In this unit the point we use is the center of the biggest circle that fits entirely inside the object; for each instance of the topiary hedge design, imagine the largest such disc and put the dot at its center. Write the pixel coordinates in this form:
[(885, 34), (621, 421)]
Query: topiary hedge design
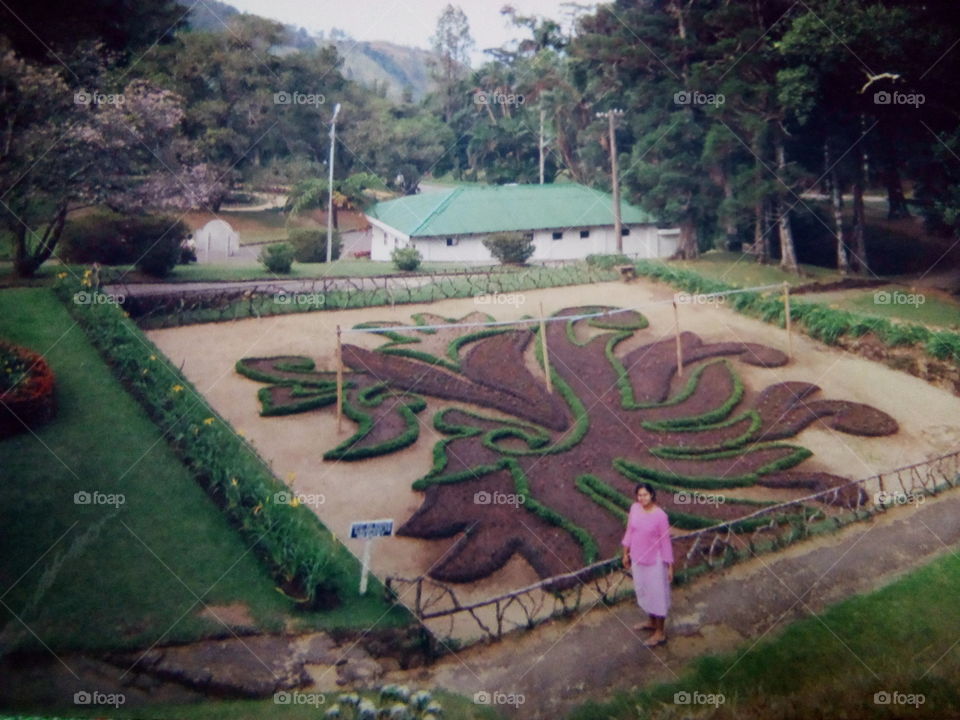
[(549, 476)]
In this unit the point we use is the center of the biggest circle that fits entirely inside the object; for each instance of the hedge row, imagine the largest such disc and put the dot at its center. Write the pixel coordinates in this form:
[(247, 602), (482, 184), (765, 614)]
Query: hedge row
[(304, 557), (820, 322)]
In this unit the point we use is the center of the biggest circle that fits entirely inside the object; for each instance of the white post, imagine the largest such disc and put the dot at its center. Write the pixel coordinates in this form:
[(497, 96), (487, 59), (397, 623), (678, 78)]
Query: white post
[(366, 565), (333, 140)]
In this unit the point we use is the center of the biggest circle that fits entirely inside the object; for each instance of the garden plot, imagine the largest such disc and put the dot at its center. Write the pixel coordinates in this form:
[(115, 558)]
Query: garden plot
[(496, 482)]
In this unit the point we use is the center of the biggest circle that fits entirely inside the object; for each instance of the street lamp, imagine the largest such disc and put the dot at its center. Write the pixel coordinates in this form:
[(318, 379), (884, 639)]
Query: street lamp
[(612, 116), (333, 140)]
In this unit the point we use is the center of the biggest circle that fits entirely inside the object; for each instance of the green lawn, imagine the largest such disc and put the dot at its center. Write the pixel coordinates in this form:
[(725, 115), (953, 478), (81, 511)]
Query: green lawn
[(742, 270), (902, 303), (340, 268), (900, 639), (97, 576)]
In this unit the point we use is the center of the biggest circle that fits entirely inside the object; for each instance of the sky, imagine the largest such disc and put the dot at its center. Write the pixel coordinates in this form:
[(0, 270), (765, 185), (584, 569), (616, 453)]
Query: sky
[(405, 22)]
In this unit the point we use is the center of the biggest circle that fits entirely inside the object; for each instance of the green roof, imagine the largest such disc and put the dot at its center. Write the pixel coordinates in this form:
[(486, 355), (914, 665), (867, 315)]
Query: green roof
[(499, 208)]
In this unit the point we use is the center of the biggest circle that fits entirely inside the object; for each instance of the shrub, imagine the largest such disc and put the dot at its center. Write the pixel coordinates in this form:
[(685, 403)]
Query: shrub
[(153, 242), (97, 237), (278, 257), (607, 262), (310, 245), (510, 247), (406, 258), (157, 241)]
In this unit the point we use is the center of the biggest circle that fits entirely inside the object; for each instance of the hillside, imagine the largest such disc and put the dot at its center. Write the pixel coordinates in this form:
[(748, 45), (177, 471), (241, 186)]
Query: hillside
[(376, 63)]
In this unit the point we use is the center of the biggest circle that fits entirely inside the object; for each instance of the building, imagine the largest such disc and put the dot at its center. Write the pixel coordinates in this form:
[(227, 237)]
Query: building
[(566, 221)]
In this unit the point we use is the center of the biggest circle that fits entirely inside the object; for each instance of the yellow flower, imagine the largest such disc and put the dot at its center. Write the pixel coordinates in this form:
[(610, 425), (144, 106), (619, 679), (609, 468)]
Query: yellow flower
[(208, 421), (177, 388), (144, 371), (61, 276), (153, 357), (295, 502), (291, 476), (233, 481), (258, 508), (240, 433)]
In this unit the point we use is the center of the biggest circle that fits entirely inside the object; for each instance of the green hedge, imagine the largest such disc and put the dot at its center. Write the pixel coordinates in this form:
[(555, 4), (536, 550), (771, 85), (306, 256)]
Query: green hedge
[(299, 551), (820, 322)]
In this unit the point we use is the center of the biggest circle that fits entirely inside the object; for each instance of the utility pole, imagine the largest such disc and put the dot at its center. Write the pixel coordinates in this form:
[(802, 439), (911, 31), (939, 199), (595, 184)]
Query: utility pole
[(612, 116), (333, 141), (542, 113)]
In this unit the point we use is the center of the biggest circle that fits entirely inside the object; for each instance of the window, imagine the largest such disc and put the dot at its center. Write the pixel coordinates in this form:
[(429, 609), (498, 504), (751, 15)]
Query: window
[(452, 241), (624, 231), (558, 235), (584, 233)]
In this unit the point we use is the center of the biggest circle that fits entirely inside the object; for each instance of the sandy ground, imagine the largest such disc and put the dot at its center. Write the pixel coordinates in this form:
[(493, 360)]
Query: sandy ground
[(343, 492)]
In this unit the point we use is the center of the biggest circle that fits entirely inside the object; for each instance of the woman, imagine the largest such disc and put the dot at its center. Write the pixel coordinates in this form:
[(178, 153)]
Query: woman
[(648, 552)]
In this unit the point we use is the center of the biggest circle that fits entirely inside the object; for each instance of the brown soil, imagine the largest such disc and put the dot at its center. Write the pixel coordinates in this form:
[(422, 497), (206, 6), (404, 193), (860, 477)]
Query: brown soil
[(929, 419)]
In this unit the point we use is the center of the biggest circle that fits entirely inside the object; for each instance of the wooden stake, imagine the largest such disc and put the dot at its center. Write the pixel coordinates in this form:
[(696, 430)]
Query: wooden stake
[(676, 322), (546, 353), (786, 307), (339, 382)]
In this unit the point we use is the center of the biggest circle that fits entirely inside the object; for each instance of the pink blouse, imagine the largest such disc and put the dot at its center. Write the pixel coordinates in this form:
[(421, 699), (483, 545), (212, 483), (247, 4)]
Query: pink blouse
[(648, 536)]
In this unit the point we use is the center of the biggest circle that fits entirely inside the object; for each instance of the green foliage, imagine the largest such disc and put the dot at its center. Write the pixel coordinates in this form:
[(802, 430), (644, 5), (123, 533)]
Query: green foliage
[(278, 257), (157, 242), (152, 243), (607, 262), (310, 245), (407, 259), (510, 247)]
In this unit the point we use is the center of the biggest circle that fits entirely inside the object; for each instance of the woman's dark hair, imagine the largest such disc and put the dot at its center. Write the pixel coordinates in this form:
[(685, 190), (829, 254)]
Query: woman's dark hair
[(648, 487)]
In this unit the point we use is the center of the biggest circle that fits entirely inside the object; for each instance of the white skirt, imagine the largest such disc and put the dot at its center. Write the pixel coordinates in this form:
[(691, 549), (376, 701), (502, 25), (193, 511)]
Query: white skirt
[(652, 585)]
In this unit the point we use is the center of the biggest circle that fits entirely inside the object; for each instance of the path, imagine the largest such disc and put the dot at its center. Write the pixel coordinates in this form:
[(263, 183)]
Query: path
[(592, 655)]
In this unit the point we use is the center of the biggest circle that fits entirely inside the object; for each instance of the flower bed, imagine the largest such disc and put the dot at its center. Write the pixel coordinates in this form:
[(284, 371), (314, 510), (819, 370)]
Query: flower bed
[(27, 396)]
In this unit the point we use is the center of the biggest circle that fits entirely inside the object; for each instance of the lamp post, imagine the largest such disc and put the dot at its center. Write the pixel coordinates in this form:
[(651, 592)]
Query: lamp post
[(333, 140), (612, 116)]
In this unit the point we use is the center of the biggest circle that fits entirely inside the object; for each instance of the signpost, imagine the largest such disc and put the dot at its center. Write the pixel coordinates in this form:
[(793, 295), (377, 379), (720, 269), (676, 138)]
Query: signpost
[(368, 530)]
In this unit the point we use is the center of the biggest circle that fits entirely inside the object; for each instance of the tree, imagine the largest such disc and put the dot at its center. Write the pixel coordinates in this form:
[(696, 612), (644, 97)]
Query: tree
[(451, 43)]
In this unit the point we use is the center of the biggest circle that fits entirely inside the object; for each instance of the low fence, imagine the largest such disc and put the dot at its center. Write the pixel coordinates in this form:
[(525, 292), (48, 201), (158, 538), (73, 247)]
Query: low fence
[(174, 307), (440, 606)]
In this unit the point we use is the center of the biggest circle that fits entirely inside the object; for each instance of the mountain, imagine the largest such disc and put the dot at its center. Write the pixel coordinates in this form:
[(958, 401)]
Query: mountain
[(380, 65)]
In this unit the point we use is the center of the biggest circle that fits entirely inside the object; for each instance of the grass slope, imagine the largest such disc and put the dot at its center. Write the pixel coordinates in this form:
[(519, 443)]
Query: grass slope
[(98, 577)]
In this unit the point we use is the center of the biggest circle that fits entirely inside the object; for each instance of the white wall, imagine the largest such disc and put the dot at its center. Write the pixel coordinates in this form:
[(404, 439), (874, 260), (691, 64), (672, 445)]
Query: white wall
[(644, 241)]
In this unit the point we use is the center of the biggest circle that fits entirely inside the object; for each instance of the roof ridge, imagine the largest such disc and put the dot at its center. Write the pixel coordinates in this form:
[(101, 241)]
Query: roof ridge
[(441, 206)]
